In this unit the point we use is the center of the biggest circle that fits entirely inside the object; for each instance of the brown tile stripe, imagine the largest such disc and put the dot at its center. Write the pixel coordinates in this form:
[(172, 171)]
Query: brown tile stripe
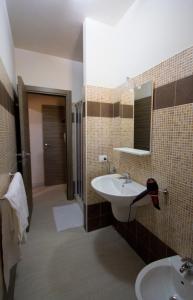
[(175, 93), (172, 94), (184, 91), (93, 109), (116, 109), (5, 99), (98, 215), (146, 244), (164, 96), (123, 110), (126, 111), (109, 110)]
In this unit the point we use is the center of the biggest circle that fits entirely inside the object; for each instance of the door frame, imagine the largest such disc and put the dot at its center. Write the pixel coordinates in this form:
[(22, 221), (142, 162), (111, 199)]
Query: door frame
[(67, 94)]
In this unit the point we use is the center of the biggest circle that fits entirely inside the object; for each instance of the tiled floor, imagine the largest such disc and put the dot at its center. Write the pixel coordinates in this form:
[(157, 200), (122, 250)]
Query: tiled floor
[(73, 264)]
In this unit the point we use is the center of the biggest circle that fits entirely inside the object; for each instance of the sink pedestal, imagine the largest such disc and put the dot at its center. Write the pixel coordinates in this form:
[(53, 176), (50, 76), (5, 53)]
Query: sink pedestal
[(124, 213)]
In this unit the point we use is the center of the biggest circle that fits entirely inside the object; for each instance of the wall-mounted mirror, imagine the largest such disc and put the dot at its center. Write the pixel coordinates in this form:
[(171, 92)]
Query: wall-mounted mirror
[(133, 118), (142, 116)]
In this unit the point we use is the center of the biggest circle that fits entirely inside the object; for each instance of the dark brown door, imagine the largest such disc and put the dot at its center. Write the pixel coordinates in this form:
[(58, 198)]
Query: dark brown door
[(24, 156), (54, 141)]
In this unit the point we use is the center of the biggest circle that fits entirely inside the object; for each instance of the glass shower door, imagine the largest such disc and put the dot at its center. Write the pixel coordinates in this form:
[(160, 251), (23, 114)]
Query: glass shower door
[(79, 150)]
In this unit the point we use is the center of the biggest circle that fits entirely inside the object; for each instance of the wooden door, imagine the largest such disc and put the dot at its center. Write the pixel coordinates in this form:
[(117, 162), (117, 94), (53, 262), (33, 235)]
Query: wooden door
[(54, 142), (24, 156)]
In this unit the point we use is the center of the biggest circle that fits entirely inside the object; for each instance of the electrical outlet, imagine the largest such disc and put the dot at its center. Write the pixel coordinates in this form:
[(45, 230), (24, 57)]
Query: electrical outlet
[(102, 158)]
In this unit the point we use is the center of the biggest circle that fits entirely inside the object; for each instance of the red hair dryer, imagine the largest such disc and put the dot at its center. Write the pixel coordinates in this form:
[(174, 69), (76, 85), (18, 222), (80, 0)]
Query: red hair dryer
[(152, 190)]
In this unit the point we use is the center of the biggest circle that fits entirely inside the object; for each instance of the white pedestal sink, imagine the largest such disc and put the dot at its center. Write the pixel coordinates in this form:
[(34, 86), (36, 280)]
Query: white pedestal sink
[(162, 280), (120, 194)]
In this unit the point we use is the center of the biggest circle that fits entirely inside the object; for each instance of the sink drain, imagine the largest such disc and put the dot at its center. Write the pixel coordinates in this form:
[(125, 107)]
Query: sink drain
[(173, 298)]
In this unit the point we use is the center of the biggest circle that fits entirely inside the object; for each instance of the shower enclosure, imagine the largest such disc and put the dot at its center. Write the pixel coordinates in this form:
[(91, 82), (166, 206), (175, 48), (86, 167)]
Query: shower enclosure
[(79, 150)]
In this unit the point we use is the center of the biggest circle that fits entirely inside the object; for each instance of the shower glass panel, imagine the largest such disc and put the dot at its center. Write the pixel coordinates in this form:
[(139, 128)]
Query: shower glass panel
[(79, 149)]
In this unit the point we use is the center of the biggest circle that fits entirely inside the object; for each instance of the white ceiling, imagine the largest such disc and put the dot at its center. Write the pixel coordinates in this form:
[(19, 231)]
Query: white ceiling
[(55, 26)]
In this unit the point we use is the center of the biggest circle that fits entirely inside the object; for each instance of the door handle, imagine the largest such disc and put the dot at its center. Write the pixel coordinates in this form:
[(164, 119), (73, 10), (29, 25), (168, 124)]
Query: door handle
[(46, 145)]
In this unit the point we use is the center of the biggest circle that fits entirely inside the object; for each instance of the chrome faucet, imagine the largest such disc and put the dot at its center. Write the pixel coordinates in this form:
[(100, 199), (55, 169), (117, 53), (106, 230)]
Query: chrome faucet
[(187, 265), (127, 177)]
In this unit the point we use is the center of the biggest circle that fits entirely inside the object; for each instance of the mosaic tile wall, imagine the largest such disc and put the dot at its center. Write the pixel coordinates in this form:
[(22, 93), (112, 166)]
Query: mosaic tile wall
[(7, 131), (171, 162), (7, 140)]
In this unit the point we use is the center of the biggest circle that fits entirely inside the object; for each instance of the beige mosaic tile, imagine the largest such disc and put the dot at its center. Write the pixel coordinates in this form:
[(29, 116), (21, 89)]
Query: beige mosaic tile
[(98, 142), (7, 145), (98, 94), (171, 162), (174, 68), (7, 148), (5, 79)]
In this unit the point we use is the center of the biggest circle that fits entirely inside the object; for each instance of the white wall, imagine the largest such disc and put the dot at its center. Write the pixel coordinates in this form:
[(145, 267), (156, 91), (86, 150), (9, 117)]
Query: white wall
[(98, 54), (6, 44), (50, 71), (150, 32)]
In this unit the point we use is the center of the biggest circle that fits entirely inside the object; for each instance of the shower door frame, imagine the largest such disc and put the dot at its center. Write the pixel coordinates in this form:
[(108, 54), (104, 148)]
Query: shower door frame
[(79, 149)]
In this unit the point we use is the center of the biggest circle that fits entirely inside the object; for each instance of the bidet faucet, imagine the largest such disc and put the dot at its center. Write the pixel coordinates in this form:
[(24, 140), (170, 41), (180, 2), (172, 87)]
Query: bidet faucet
[(127, 177), (187, 265)]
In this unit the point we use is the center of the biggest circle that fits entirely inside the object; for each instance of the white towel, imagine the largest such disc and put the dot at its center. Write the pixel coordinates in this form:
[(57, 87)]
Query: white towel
[(17, 198)]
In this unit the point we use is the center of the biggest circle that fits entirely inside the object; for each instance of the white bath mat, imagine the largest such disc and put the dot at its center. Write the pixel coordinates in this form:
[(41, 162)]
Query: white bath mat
[(68, 216)]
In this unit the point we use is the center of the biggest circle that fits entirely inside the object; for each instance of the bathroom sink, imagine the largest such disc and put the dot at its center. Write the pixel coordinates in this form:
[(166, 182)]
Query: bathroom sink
[(162, 280), (120, 194)]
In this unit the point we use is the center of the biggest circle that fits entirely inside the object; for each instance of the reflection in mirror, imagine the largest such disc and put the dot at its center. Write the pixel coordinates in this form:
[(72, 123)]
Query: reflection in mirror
[(142, 116)]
